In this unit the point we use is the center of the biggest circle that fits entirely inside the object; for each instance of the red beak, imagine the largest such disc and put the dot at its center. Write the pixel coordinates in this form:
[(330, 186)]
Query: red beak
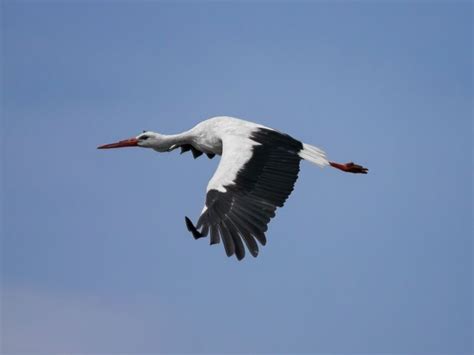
[(132, 142)]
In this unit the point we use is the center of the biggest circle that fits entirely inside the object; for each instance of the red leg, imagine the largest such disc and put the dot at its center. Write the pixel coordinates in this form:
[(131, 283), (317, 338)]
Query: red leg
[(349, 168)]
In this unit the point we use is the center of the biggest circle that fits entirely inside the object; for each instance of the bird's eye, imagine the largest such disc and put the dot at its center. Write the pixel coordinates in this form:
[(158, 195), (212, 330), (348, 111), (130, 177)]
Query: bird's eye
[(142, 138)]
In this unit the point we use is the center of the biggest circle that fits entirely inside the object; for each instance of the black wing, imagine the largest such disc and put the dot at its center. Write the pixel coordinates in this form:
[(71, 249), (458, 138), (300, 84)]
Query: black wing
[(196, 153), (240, 215)]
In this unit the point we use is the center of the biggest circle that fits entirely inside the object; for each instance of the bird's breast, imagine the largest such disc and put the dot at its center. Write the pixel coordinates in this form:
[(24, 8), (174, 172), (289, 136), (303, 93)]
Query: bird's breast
[(209, 144)]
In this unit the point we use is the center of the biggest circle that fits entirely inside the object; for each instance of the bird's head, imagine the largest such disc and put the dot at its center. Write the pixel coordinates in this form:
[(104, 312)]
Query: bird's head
[(147, 139)]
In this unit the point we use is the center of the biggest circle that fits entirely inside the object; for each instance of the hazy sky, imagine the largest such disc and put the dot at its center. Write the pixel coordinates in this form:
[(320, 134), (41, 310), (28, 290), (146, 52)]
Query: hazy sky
[(95, 253)]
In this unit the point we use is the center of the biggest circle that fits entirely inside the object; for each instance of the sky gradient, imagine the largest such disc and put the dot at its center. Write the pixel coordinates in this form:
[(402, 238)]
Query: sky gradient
[(95, 256)]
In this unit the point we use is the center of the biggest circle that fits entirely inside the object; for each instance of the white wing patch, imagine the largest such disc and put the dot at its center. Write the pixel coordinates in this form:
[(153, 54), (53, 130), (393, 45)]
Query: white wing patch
[(236, 151)]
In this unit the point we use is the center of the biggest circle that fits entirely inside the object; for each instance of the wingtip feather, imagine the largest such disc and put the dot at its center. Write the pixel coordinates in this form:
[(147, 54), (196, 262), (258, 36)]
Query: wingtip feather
[(189, 224)]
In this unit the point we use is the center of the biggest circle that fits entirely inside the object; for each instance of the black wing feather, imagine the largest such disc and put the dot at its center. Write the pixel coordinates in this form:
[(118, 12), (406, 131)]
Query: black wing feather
[(226, 239), (263, 184), (196, 152), (185, 148), (214, 238), (238, 245)]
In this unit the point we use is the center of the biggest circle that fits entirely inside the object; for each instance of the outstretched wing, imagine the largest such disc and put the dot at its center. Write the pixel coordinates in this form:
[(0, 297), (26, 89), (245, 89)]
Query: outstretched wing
[(256, 175)]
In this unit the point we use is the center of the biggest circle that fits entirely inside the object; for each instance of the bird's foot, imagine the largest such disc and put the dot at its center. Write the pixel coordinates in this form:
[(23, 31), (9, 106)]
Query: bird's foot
[(349, 167)]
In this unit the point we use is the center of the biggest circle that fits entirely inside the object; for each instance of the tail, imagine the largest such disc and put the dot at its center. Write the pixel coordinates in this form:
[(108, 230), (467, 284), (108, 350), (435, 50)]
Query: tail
[(313, 155), (317, 156)]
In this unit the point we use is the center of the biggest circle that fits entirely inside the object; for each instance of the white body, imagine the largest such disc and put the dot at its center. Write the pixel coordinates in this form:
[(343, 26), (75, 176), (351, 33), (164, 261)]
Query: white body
[(230, 137)]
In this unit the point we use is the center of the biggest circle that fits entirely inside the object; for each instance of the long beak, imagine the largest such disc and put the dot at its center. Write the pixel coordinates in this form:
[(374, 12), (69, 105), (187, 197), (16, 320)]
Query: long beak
[(132, 142)]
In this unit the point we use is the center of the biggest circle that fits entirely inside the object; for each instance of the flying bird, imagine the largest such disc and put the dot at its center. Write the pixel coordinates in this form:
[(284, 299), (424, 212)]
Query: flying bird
[(256, 174)]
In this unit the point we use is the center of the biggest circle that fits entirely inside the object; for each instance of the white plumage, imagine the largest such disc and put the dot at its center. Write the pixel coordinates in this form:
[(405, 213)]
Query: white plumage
[(314, 155), (256, 174)]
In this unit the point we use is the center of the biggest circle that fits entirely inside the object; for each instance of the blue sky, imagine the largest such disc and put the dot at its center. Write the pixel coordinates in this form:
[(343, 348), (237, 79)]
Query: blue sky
[(95, 254)]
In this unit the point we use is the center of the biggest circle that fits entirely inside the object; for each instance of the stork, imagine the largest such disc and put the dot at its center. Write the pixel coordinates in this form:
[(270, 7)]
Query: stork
[(255, 176)]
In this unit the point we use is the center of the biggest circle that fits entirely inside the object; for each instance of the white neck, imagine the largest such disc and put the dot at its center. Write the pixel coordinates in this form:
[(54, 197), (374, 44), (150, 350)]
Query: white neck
[(164, 143)]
